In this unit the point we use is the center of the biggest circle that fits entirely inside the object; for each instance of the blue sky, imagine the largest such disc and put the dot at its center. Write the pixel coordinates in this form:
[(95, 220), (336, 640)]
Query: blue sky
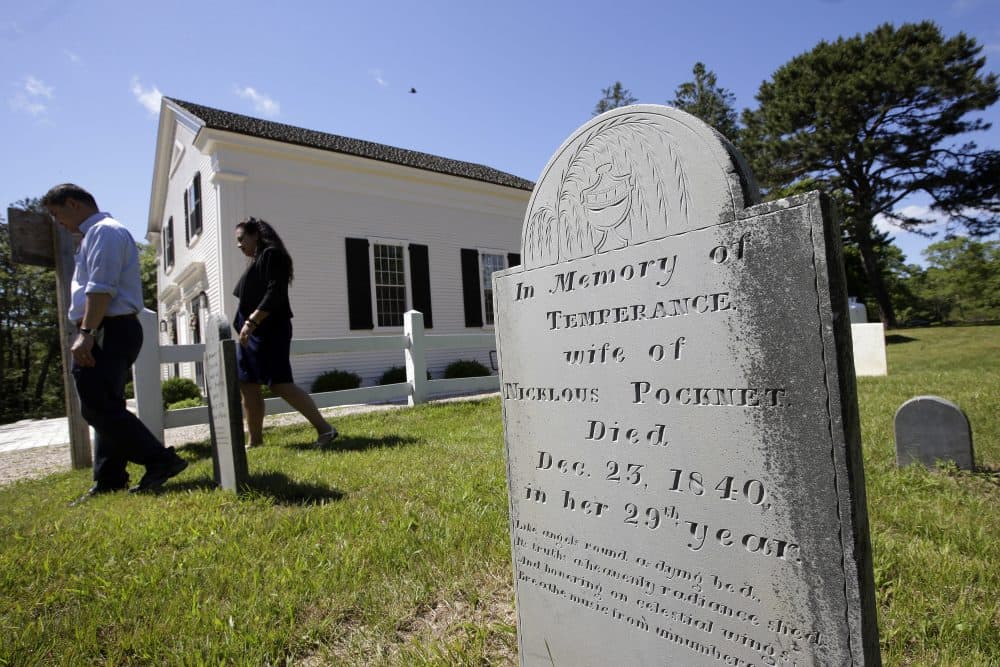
[(499, 83)]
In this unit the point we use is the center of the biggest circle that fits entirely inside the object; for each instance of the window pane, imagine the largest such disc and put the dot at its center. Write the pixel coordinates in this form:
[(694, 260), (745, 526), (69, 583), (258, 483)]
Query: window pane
[(489, 264), (390, 284)]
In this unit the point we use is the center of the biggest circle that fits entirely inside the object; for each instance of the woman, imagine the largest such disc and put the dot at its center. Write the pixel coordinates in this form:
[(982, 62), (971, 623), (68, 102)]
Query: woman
[(264, 322)]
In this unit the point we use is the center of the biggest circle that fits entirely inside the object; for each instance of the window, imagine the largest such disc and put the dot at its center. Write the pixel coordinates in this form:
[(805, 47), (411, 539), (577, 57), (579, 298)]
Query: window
[(390, 284), (174, 341), (383, 278), (195, 324), (192, 209), (168, 245), (488, 264), (478, 267)]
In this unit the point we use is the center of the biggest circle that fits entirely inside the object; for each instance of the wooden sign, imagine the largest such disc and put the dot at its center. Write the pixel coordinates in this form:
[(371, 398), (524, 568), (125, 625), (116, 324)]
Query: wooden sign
[(31, 239)]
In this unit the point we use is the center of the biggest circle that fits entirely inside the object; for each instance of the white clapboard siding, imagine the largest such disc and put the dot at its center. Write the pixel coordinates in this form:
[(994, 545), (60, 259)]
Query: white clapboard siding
[(316, 200)]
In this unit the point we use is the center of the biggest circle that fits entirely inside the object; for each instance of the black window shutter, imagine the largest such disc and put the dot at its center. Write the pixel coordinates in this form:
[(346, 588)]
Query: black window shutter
[(513, 259), (471, 290), (187, 218), (196, 214), (420, 277), (359, 285)]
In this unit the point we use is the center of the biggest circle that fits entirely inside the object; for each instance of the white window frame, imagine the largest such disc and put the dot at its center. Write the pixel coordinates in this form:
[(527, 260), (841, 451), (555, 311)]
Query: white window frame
[(482, 288), (405, 246)]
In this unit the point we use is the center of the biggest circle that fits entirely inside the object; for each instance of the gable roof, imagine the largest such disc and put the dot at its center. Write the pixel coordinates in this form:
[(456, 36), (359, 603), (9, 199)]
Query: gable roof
[(255, 127)]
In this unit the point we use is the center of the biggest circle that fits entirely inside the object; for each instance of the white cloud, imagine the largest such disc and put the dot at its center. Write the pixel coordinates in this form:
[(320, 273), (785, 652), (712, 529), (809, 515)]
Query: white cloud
[(262, 103), (939, 219), (147, 97), (37, 88), (21, 102), (73, 58), (377, 75), (31, 96), (962, 6)]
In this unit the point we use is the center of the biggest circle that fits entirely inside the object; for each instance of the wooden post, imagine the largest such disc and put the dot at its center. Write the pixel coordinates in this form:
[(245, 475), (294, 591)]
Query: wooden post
[(146, 376), (416, 359), (38, 240), (79, 432)]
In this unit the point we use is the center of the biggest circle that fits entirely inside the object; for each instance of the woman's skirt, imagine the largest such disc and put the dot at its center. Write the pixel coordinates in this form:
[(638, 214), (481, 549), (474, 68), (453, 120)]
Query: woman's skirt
[(266, 357)]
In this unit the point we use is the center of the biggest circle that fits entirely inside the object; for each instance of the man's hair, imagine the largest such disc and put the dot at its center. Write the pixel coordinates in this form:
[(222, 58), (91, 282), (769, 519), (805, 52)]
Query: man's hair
[(60, 193)]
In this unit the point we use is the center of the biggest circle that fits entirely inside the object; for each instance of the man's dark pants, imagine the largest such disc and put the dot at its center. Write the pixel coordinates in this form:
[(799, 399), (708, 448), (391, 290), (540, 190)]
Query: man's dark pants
[(121, 437)]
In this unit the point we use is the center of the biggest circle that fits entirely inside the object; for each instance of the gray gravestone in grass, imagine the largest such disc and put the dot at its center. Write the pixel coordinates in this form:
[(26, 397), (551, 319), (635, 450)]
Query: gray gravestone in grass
[(930, 429), (225, 412), (680, 416)]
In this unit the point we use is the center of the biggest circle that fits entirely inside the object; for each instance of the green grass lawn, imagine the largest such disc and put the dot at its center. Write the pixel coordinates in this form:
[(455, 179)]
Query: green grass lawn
[(394, 548)]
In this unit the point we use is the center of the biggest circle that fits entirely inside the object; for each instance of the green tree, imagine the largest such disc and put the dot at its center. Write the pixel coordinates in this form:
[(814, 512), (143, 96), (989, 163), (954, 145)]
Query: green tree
[(963, 278), (614, 96), (878, 118), (30, 361), (147, 273), (705, 99)]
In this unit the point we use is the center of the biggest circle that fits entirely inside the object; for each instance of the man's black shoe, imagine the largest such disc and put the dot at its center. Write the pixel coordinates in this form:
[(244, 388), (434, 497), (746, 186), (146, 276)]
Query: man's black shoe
[(157, 474), (99, 488)]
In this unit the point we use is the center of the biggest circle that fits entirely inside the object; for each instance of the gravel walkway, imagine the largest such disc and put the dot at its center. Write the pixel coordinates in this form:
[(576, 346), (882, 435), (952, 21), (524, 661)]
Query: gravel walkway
[(41, 461)]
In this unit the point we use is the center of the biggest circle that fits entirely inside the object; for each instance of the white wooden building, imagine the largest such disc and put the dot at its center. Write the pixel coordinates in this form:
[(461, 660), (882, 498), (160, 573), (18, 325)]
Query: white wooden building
[(373, 231)]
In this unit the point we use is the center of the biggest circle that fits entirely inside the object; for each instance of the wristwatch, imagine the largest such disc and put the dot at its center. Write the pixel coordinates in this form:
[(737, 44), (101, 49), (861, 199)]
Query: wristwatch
[(86, 331)]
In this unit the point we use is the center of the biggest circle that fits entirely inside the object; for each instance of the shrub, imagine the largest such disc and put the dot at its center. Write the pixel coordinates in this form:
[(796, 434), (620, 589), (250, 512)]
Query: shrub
[(186, 403), (465, 368), (129, 390), (179, 389), (335, 381), (396, 374)]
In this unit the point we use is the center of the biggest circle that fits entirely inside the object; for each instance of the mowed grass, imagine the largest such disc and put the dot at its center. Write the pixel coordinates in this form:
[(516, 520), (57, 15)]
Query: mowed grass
[(936, 535), (393, 548)]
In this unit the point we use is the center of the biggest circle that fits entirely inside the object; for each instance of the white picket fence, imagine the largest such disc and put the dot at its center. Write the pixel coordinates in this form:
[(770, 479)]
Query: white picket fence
[(413, 343)]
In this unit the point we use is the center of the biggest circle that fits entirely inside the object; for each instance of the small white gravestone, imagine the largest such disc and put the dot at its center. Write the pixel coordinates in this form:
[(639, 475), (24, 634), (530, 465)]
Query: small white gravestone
[(859, 314), (868, 344), (225, 413), (931, 429), (680, 417)]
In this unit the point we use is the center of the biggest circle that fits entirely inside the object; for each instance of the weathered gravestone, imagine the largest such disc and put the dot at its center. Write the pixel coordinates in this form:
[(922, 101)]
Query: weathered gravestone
[(225, 414), (929, 429), (682, 437)]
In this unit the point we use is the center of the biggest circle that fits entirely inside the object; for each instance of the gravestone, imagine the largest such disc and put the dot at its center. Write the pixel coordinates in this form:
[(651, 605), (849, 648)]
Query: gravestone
[(680, 417), (225, 415), (929, 429), (859, 314)]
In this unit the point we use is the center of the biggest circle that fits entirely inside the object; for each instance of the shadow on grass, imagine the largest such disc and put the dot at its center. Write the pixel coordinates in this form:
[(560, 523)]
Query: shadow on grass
[(358, 444), (287, 491), (895, 339), (275, 485), (196, 451)]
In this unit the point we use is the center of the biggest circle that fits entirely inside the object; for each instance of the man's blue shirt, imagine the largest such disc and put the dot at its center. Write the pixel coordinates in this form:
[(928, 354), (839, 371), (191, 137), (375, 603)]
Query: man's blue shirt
[(107, 262)]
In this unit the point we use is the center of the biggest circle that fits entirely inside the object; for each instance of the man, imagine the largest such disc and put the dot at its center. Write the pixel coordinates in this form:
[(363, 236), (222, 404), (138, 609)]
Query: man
[(106, 296)]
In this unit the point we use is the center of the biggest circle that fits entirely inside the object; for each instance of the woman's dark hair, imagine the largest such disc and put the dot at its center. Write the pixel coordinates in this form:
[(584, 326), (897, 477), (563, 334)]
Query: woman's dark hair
[(267, 238)]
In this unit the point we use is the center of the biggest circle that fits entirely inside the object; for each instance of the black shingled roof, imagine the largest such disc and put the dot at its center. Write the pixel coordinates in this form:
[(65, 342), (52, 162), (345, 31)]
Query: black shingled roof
[(289, 134)]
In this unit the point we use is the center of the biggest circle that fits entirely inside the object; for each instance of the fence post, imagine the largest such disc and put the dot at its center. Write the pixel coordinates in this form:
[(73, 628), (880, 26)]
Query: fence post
[(146, 375), (416, 361)]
